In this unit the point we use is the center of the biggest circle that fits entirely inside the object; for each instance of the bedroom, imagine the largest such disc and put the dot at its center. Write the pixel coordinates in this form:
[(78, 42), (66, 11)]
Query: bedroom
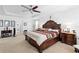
[(21, 18)]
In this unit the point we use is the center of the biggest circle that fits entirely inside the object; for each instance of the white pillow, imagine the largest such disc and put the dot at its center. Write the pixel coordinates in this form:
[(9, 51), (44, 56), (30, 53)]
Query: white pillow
[(55, 30), (50, 29)]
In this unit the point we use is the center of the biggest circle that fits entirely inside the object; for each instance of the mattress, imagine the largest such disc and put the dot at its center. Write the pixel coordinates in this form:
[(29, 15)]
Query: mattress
[(39, 37)]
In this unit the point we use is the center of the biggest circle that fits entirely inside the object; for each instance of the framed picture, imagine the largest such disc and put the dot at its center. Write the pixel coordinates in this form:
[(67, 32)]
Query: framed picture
[(1, 23), (6, 23), (12, 23)]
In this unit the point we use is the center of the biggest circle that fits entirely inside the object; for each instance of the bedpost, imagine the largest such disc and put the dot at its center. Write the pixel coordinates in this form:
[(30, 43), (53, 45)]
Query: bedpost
[(40, 50)]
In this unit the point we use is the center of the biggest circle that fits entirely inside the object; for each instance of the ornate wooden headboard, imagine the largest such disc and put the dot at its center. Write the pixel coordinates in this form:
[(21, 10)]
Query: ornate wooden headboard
[(51, 24)]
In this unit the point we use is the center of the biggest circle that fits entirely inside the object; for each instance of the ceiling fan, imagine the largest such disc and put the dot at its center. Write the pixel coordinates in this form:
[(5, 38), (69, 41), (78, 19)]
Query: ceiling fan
[(31, 8)]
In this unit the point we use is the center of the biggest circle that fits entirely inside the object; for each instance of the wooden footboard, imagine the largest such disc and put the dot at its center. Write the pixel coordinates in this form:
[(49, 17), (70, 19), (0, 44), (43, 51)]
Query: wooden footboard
[(44, 45)]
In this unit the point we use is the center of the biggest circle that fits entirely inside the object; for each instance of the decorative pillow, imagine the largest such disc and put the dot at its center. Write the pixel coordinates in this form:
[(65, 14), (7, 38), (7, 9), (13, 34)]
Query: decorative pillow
[(54, 30), (49, 36), (54, 34)]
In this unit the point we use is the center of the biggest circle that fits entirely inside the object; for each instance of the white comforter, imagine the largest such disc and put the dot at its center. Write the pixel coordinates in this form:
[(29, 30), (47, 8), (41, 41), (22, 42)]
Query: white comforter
[(39, 38)]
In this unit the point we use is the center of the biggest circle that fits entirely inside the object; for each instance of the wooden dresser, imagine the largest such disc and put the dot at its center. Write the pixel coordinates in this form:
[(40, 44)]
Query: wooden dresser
[(68, 38), (6, 33)]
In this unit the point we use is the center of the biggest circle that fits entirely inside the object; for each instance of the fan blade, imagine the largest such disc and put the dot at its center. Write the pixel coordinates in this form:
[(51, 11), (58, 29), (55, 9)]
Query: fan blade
[(36, 11), (25, 7), (35, 7), (31, 11)]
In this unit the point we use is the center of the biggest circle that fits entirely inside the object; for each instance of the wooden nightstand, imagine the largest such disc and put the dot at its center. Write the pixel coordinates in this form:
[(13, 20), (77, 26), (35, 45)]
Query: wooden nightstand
[(68, 38)]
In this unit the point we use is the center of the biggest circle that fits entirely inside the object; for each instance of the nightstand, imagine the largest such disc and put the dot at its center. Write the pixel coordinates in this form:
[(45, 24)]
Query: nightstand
[(68, 38)]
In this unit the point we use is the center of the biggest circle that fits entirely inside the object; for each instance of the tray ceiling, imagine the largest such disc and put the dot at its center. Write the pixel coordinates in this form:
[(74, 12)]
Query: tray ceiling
[(45, 9)]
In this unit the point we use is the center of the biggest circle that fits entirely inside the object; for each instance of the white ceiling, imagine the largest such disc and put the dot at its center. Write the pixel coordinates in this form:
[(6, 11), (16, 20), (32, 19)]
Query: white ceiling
[(45, 9)]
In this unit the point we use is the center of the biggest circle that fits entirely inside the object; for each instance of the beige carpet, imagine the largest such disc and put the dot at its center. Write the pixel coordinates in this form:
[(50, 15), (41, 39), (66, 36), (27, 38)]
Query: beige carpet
[(19, 45)]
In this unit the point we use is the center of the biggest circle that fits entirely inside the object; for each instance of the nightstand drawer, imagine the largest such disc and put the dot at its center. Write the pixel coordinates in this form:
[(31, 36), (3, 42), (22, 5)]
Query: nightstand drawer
[(70, 42)]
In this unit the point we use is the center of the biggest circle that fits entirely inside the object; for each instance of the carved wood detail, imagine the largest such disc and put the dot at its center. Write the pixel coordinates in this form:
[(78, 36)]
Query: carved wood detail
[(51, 24)]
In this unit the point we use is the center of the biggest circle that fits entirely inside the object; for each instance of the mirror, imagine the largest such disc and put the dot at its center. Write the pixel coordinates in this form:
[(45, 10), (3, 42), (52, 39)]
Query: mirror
[(6, 23)]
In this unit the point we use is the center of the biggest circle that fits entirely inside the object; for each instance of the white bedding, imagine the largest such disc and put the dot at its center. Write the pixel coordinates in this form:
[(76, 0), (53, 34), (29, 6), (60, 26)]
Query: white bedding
[(39, 38)]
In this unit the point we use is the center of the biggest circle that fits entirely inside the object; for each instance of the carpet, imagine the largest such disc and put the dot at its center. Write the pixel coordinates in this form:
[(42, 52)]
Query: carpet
[(18, 44)]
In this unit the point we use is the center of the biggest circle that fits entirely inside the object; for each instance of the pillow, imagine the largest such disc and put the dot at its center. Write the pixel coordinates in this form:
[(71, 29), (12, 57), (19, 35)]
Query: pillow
[(54, 34), (54, 30), (50, 29), (49, 36)]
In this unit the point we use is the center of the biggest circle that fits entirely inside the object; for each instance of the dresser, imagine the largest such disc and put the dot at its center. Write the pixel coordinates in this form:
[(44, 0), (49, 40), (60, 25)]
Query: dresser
[(68, 38), (6, 33)]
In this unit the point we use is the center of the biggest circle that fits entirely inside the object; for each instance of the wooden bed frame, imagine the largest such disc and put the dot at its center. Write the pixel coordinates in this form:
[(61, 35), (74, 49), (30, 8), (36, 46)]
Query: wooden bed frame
[(48, 42)]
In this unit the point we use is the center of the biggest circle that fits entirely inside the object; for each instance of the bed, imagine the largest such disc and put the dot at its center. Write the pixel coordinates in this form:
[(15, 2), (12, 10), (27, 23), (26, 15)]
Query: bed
[(46, 42)]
